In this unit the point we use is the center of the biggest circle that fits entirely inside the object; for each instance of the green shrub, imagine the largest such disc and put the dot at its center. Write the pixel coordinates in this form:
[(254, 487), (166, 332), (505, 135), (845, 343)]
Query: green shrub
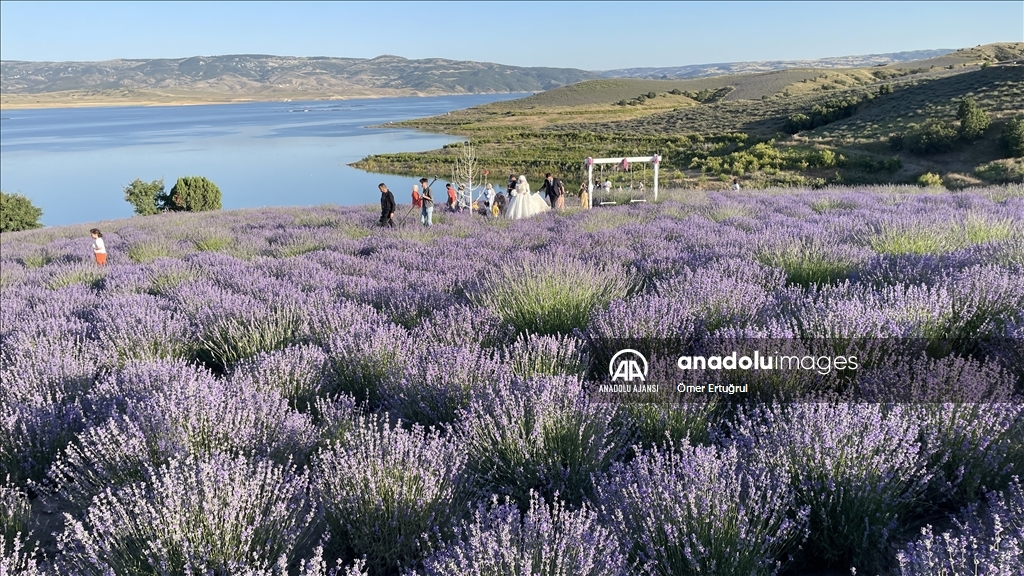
[(194, 194), (242, 336), (885, 89), (973, 120), (145, 252), (550, 295), (896, 142), (17, 213), (1012, 137), (1002, 171), (797, 122), (806, 264), (932, 137), (145, 198), (929, 179), (213, 243)]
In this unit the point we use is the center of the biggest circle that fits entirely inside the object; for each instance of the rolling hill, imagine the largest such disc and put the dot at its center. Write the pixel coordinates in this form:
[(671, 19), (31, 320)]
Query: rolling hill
[(705, 70), (250, 77), (742, 125)]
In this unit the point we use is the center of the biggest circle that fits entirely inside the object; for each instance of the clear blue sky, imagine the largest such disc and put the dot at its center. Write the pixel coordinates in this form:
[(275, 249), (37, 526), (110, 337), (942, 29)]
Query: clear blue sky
[(589, 35)]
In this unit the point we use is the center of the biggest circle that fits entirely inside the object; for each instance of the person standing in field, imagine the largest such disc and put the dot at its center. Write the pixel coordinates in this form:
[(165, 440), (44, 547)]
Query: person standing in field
[(417, 201), (500, 202), (607, 186), (427, 214), (584, 196), (735, 183), (552, 188), (451, 196), (489, 196), (99, 249), (387, 206)]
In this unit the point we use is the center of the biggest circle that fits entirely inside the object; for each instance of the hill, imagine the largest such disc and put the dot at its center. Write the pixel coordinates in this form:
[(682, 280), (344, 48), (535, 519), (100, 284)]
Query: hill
[(261, 77), (724, 68), (248, 77), (742, 125)]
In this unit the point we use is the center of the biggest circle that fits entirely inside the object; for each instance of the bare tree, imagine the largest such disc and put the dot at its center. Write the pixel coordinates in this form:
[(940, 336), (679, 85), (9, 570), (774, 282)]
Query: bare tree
[(465, 170)]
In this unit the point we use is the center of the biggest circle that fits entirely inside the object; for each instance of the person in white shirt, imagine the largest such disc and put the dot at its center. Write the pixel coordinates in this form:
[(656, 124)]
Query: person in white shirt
[(99, 249), (607, 186)]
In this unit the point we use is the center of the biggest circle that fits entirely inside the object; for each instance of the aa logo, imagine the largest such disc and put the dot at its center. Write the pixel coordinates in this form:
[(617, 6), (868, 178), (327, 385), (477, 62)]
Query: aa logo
[(628, 365)]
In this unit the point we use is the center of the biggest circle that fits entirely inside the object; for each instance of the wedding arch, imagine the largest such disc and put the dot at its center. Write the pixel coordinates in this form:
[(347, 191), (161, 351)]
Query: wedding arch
[(624, 162)]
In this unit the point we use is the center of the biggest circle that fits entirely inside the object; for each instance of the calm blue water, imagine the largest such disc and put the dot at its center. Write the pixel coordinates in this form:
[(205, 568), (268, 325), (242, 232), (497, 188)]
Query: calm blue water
[(74, 163)]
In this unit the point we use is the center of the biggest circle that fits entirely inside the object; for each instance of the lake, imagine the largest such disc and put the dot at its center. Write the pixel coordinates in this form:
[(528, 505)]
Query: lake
[(75, 162)]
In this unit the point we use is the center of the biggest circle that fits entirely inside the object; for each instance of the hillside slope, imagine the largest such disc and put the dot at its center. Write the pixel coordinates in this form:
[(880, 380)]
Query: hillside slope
[(710, 130), (263, 77)]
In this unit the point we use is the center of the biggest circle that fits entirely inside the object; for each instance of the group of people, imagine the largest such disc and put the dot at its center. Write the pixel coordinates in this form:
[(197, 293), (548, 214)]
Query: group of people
[(515, 202)]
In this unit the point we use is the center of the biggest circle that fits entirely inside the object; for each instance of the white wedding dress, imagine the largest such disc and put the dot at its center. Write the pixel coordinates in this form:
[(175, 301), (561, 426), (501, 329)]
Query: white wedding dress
[(524, 204)]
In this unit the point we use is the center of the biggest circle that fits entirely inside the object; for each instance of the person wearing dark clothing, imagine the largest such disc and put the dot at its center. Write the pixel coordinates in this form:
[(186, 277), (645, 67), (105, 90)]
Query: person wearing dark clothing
[(387, 206), (511, 184), (501, 201), (552, 187)]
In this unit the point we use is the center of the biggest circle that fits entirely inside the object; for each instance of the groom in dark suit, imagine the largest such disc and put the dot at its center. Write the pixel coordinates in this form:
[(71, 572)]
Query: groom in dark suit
[(553, 189)]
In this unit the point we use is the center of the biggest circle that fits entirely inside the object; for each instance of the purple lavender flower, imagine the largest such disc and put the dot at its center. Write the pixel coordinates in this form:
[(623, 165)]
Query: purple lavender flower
[(540, 434), (194, 515), (547, 540), (390, 494), (859, 467), (696, 510), (985, 541)]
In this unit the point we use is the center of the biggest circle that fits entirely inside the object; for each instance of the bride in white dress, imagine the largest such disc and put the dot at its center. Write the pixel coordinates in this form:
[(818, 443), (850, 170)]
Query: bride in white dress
[(524, 204)]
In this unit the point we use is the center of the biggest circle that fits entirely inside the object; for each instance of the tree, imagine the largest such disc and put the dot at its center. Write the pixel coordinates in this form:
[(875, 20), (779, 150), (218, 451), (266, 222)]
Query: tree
[(797, 122), (931, 137), (17, 213), (193, 194), (1012, 137), (146, 198), (973, 120), (465, 170)]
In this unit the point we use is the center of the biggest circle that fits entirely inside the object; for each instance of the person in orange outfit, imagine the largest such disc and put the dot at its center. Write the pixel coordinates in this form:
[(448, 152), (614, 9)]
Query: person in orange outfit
[(99, 249)]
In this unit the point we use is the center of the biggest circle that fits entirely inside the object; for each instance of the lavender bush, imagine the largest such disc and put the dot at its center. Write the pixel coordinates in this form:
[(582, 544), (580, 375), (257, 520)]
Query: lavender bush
[(547, 295), (16, 558), (297, 373), (985, 541), (196, 515), (15, 513), (973, 447), (532, 355), (390, 494), (695, 510), (539, 435), (545, 541), (860, 468), (438, 383)]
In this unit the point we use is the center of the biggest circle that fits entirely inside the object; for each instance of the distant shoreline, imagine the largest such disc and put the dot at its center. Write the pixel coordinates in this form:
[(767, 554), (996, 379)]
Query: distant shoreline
[(66, 101)]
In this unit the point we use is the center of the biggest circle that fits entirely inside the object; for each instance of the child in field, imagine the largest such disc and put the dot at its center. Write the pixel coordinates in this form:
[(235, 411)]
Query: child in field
[(584, 196), (99, 249)]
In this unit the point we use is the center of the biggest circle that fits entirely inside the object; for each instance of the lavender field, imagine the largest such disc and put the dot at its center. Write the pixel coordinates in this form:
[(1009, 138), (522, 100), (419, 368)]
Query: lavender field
[(295, 391)]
